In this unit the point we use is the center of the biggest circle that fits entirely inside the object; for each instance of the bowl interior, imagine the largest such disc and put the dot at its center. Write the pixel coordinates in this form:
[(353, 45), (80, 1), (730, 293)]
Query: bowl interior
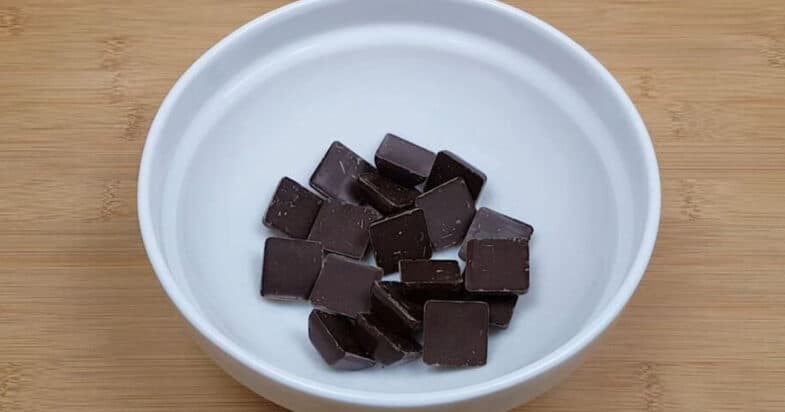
[(541, 119)]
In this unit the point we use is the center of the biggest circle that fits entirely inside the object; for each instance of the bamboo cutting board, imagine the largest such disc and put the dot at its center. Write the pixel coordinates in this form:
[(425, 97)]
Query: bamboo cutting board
[(84, 325)]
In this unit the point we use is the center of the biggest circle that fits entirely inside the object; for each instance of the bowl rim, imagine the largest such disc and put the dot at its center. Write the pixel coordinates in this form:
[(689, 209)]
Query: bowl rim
[(574, 346)]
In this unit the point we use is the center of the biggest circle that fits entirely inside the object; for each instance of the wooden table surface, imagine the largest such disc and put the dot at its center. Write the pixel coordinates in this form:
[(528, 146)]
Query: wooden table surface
[(84, 325)]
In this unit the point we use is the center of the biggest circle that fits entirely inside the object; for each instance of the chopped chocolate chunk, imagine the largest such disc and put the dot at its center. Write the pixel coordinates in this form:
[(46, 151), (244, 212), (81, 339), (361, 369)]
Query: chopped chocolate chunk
[(293, 209), (337, 173), (455, 333), (343, 228), (344, 286), (490, 224), (335, 338), (290, 268), (387, 345), (403, 161), (431, 279), (449, 209), (497, 266), (448, 166), (385, 195), (420, 294), (403, 236), (390, 303), (501, 307), (426, 271)]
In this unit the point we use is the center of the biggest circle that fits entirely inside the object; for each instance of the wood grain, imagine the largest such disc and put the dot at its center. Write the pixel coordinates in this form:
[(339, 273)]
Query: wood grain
[(84, 325)]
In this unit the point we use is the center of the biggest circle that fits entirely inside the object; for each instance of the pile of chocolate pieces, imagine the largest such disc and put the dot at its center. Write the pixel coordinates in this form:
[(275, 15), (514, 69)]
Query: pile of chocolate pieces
[(361, 319)]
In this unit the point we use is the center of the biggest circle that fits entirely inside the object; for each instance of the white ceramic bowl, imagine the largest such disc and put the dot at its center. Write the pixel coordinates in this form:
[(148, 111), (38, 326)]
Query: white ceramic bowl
[(560, 141)]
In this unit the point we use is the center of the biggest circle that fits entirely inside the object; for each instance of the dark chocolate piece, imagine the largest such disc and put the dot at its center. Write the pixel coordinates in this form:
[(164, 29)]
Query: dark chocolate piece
[(403, 236), (336, 175), (426, 271), (344, 286), (403, 161), (387, 345), (385, 195), (290, 268), (390, 303), (293, 209), (490, 224), (420, 294), (431, 279), (448, 166), (449, 209), (343, 228), (455, 333), (501, 307), (335, 337), (497, 266)]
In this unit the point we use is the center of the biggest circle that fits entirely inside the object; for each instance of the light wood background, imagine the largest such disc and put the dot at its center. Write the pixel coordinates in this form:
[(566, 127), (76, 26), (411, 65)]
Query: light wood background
[(84, 325)]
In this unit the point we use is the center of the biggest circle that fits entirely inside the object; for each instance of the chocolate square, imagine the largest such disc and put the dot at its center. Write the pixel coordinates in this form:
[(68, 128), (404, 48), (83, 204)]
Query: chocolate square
[(426, 271), (293, 209), (390, 303), (448, 166), (387, 345), (290, 268), (403, 161), (455, 333), (431, 279), (385, 195), (449, 210), (335, 337), (343, 228), (497, 266), (403, 236), (344, 286), (490, 224), (501, 307), (336, 175)]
